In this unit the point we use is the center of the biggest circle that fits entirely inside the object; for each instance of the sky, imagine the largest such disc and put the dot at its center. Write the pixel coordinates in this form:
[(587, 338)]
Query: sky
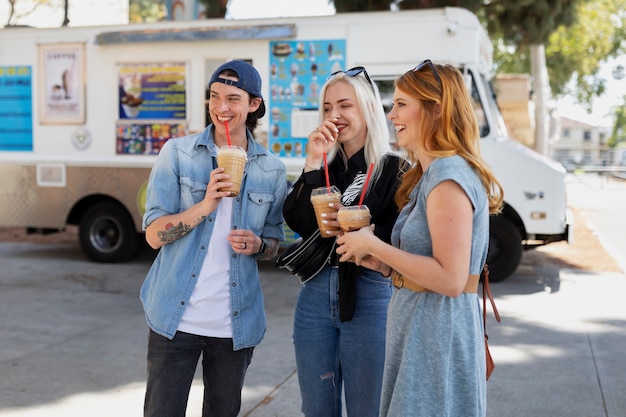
[(109, 12), (81, 13), (104, 12)]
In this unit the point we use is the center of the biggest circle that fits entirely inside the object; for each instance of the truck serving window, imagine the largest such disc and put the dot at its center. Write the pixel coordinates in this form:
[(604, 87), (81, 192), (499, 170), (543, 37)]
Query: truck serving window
[(385, 88), (500, 124), (479, 110)]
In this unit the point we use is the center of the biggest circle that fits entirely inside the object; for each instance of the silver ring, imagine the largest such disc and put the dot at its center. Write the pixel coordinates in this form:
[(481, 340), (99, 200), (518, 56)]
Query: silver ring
[(245, 245)]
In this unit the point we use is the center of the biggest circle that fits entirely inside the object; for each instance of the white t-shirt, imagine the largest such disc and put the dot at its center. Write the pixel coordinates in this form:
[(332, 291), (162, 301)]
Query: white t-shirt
[(208, 310)]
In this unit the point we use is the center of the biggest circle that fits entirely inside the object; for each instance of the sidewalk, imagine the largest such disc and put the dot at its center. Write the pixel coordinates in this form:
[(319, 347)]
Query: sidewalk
[(73, 337), (559, 349), (73, 341)]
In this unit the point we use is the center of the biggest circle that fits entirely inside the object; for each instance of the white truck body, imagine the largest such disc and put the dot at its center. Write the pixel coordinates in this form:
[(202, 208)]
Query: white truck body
[(87, 162)]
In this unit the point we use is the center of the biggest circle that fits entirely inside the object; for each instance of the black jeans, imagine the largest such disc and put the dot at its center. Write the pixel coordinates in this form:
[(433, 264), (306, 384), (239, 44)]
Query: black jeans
[(172, 365)]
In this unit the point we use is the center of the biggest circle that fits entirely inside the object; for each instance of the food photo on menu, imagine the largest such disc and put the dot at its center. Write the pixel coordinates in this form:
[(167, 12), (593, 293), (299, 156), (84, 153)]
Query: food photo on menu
[(297, 71)]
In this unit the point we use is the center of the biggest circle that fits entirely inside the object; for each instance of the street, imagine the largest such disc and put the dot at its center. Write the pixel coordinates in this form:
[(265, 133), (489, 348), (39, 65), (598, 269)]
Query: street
[(602, 201)]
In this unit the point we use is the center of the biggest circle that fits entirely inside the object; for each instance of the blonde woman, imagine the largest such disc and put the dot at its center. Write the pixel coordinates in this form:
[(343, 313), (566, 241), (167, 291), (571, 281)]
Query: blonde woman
[(339, 324)]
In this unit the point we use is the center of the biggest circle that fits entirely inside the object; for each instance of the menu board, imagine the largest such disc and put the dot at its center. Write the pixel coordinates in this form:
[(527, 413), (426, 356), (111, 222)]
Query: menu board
[(298, 69), (146, 138), (152, 91), (152, 106), (16, 114)]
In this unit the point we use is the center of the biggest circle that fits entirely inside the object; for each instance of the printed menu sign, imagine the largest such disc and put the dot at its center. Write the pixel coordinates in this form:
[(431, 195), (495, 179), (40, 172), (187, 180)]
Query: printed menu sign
[(16, 114), (146, 138), (152, 91), (298, 69)]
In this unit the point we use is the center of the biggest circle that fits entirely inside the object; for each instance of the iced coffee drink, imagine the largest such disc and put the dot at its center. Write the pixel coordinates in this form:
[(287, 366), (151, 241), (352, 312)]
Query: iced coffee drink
[(353, 218), (233, 160), (321, 198)]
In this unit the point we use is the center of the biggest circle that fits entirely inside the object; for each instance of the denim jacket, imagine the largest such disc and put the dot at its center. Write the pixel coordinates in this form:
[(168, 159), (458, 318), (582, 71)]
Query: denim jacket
[(178, 180)]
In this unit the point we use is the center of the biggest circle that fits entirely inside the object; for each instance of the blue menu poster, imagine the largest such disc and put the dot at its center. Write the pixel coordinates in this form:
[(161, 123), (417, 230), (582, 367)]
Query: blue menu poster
[(16, 109), (298, 69)]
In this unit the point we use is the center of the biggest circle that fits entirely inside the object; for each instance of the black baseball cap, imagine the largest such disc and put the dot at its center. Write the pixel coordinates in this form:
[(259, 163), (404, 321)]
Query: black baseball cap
[(249, 80)]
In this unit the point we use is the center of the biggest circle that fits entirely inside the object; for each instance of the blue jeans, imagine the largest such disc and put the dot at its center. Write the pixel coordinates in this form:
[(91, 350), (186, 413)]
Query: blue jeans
[(171, 367), (330, 353)]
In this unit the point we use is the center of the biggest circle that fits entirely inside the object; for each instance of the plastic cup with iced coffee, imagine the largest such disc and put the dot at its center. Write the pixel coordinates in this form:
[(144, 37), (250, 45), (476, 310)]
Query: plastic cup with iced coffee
[(321, 198), (353, 218), (233, 160)]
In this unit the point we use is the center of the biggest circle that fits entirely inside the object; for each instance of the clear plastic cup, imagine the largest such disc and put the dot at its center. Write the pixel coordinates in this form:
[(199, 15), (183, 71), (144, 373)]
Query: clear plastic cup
[(353, 218), (321, 198), (233, 159)]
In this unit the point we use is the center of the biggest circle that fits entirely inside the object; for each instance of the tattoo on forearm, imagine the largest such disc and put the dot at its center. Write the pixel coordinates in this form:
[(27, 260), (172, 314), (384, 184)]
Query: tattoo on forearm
[(171, 232)]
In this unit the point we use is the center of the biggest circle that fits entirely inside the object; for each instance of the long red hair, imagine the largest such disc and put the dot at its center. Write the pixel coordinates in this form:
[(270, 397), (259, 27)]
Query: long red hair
[(455, 132)]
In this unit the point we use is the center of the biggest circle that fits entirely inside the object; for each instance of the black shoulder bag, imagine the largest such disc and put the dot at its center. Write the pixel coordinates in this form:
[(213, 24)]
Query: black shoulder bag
[(305, 258)]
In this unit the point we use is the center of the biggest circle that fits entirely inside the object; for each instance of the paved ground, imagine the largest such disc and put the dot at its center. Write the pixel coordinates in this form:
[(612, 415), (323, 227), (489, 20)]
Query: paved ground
[(73, 336)]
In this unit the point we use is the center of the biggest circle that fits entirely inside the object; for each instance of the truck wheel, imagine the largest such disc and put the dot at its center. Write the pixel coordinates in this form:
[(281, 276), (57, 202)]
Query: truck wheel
[(107, 233), (505, 248)]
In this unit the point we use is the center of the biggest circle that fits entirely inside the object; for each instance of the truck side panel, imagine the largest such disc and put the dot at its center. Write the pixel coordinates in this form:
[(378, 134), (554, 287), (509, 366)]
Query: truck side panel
[(47, 207), (94, 177)]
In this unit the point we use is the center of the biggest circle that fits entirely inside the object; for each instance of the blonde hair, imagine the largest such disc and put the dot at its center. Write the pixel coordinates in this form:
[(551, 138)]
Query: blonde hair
[(377, 139), (455, 132)]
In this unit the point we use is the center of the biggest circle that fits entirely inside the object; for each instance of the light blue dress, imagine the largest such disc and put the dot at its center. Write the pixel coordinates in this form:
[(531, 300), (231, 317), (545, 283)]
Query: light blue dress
[(435, 353)]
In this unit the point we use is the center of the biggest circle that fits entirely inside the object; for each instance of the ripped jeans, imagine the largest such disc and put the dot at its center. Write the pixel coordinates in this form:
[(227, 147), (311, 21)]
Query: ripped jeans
[(331, 354)]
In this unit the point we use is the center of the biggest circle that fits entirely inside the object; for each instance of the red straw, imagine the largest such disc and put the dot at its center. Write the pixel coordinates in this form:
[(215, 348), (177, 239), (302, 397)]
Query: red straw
[(326, 172), (367, 181), (227, 133)]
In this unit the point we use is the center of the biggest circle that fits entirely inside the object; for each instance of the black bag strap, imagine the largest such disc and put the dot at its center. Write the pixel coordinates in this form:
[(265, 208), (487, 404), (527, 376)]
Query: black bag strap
[(305, 258)]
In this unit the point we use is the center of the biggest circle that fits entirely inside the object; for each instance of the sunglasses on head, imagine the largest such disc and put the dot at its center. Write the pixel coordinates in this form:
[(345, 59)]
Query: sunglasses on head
[(353, 72), (428, 63)]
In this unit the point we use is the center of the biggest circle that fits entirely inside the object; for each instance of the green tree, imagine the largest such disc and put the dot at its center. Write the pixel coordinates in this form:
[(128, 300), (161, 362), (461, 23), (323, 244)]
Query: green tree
[(618, 134), (146, 11), (473, 5), (344, 6), (529, 24), (576, 52), (18, 10), (519, 24), (214, 8)]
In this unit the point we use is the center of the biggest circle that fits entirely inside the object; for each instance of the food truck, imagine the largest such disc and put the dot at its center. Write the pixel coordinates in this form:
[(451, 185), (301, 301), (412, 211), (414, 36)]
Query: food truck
[(85, 110)]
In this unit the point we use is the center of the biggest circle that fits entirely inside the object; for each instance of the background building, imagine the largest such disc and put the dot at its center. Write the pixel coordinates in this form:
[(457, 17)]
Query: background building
[(581, 144)]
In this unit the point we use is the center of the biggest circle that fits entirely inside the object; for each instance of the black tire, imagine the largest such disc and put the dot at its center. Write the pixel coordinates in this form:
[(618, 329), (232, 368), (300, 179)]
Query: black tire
[(107, 233), (505, 248)]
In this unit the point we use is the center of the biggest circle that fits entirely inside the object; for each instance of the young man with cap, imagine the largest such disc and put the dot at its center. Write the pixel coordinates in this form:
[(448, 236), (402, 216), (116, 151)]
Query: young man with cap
[(202, 295)]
